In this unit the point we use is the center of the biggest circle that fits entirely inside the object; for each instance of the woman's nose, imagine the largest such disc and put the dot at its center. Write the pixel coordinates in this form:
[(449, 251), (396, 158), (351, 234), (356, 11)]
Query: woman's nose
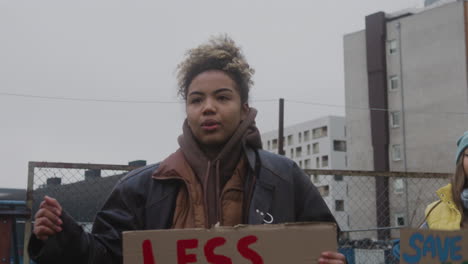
[(209, 107)]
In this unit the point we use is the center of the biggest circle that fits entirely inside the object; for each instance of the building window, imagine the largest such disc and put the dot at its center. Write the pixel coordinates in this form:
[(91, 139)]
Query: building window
[(399, 185), (339, 205), (315, 148), (306, 135), (339, 145), (292, 153), (300, 164), (269, 145), (275, 143), (346, 161), (315, 178), (317, 162), (396, 152), (395, 119), (290, 140), (307, 164), (308, 149), (324, 190), (319, 132), (324, 161), (298, 152), (338, 177), (400, 220), (392, 46), (393, 82)]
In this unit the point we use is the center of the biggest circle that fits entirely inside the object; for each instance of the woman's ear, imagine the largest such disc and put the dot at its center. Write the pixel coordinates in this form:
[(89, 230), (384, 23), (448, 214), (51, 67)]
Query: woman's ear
[(245, 109)]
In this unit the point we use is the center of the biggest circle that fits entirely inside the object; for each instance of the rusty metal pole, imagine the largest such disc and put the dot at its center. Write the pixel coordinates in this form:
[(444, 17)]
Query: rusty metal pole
[(5, 238), (281, 127), (10, 210)]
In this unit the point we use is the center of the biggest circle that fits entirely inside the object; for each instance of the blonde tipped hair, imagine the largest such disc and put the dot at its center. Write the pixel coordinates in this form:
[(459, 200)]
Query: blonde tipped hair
[(219, 53)]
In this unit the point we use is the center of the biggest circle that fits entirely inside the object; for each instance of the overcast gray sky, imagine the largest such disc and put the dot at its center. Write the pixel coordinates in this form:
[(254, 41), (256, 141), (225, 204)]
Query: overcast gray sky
[(128, 50)]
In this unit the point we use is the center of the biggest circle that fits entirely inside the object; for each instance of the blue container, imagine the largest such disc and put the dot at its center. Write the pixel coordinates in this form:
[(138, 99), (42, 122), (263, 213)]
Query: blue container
[(349, 254)]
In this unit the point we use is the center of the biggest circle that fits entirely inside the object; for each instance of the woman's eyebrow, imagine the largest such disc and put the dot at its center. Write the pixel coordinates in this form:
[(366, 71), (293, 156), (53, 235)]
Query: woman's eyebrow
[(196, 93), (220, 90)]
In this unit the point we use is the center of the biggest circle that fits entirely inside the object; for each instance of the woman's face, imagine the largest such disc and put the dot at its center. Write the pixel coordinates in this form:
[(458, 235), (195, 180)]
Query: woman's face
[(214, 108)]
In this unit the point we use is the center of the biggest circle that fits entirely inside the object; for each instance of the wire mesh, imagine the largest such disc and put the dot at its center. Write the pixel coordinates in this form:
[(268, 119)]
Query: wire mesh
[(80, 189), (360, 203)]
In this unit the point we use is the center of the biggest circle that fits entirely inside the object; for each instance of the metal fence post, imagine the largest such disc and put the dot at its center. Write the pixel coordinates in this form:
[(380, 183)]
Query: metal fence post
[(6, 223), (29, 204), (407, 223)]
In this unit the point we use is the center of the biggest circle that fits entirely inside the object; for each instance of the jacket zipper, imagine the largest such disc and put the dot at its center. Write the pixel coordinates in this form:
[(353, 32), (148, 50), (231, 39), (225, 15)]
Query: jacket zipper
[(205, 196)]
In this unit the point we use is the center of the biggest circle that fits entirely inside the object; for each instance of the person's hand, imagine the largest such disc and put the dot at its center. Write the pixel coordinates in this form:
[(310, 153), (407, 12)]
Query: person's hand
[(330, 257), (48, 222)]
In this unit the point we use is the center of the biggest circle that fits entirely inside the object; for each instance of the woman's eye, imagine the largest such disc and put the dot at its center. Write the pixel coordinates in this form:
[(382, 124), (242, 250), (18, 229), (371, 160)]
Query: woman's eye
[(195, 100), (223, 98)]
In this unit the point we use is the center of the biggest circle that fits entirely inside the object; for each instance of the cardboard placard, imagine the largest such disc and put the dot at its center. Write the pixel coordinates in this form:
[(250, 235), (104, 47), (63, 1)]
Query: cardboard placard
[(285, 243), (432, 246)]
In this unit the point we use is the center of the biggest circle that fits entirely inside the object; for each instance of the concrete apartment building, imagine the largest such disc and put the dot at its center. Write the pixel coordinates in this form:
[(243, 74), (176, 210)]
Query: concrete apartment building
[(413, 63), (318, 144)]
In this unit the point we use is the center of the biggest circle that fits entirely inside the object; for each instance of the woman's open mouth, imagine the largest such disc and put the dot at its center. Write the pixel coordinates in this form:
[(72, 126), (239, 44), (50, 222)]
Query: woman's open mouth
[(210, 125)]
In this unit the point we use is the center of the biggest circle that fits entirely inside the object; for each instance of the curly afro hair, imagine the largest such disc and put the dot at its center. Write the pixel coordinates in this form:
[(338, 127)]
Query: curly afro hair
[(219, 53)]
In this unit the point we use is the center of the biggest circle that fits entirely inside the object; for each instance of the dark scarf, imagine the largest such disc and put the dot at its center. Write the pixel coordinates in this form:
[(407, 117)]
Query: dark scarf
[(213, 174)]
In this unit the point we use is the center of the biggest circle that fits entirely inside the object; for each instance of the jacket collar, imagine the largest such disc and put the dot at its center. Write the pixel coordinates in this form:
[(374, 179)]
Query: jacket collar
[(251, 157), (173, 166), (445, 193)]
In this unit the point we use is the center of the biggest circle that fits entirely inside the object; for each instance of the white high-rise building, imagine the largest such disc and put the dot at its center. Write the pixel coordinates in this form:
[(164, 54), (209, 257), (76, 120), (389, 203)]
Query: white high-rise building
[(318, 144)]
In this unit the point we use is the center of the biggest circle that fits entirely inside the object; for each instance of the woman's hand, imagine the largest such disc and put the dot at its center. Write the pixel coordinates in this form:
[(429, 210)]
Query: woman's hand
[(330, 257), (48, 222)]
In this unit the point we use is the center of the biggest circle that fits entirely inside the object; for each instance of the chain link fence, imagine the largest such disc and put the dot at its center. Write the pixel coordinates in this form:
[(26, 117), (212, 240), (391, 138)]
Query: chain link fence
[(81, 189), (370, 207)]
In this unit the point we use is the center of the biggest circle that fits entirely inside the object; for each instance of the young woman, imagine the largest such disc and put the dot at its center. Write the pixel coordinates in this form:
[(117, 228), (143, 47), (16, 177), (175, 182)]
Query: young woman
[(451, 211), (218, 175)]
